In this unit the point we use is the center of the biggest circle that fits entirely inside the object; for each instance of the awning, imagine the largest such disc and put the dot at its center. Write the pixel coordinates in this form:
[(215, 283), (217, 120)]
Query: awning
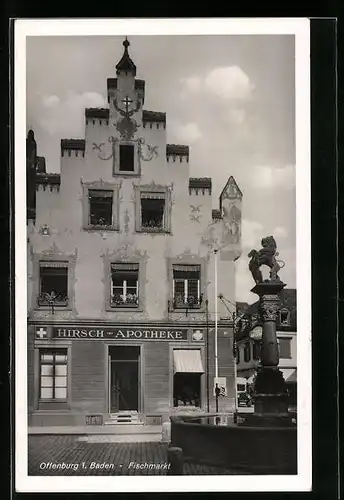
[(288, 373), (187, 361), (292, 378)]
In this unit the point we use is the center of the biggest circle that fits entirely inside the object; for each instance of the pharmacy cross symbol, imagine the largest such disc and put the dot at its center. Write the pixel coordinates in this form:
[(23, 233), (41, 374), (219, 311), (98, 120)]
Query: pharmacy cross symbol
[(127, 101), (41, 333)]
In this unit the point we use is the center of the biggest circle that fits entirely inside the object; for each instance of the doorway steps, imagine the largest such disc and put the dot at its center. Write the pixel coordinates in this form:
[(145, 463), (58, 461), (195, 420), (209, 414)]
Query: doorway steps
[(131, 418)]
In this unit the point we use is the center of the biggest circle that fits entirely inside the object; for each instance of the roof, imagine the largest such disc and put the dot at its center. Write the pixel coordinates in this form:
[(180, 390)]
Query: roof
[(251, 317), (44, 178), (216, 213), (40, 164), (78, 144), (126, 64), (97, 112), (177, 149), (200, 182), (153, 116)]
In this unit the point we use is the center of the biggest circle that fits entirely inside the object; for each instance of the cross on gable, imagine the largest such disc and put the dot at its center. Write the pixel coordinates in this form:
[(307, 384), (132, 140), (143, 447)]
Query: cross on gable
[(127, 102), (41, 333)]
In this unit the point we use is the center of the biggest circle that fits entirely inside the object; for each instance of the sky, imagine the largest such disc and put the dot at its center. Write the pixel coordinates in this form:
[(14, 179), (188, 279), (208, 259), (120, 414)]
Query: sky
[(231, 98)]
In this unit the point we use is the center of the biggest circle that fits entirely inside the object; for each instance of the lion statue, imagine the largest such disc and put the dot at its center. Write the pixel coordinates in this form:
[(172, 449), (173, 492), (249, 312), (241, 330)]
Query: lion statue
[(265, 256)]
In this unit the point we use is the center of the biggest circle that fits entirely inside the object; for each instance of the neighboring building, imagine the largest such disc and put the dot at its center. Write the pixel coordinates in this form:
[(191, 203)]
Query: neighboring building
[(248, 339), (121, 269)]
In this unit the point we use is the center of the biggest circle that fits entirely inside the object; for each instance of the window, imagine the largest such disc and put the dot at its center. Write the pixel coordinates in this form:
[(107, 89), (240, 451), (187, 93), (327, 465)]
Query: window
[(285, 317), (241, 387), (152, 211), (186, 286), (284, 348), (256, 350), (53, 374), (53, 283), (187, 389), (124, 285), (188, 369), (100, 207), (126, 158), (238, 355), (247, 352), (152, 208)]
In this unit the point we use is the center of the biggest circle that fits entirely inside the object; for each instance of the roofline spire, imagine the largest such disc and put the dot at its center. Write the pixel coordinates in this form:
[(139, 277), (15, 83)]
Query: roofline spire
[(126, 64)]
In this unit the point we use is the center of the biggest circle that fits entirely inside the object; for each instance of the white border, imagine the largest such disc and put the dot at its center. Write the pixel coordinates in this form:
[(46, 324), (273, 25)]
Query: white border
[(300, 28)]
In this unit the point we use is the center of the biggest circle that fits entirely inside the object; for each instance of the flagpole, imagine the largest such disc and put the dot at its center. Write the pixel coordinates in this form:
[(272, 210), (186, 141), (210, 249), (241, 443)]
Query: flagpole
[(216, 354)]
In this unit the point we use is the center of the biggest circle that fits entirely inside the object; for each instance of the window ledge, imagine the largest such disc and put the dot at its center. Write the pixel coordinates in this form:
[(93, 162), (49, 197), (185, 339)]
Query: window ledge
[(124, 309), (101, 228), (56, 307), (153, 231)]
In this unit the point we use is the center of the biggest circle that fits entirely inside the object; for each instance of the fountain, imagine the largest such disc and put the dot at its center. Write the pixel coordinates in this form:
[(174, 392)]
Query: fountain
[(263, 442)]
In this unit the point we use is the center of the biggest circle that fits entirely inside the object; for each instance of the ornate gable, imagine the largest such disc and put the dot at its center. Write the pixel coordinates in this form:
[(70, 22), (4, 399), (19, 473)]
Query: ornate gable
[(230, 191)]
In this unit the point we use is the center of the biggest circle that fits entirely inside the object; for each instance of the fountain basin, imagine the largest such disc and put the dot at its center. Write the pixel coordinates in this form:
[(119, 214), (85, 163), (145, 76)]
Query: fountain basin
[(243, 449)]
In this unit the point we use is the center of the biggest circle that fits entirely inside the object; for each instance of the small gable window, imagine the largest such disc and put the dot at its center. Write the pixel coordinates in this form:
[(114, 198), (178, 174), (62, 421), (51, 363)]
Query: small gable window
[(126, 158)]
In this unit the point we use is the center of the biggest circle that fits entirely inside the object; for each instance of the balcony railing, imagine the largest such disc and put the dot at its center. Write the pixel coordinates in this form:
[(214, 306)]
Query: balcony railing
[(190, 302), (52, 299), (130, 300)]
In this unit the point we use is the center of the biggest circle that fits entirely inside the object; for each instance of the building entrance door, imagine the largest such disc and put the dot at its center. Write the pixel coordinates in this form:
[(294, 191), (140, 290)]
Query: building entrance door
[(124, 378)]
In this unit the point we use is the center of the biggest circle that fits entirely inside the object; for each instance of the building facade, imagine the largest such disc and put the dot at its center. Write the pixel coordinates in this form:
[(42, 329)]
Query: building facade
[(121, 272), (249, 333)]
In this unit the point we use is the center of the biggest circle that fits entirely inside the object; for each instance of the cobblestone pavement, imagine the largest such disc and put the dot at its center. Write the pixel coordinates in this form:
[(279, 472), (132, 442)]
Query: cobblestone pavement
[(56, 455)]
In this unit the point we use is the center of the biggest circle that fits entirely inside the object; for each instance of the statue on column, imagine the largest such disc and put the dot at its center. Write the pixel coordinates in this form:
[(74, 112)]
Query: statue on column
[(265, 256)]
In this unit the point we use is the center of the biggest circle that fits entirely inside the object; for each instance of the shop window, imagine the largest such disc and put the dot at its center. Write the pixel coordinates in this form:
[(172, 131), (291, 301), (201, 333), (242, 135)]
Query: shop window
[(284, 346), (100, 207), (256, 350), (124, 285), (187, 389), (53, 374), (188, 370), (284, 317), (126, 158), (53, 284), (247, 352), (186, 286)]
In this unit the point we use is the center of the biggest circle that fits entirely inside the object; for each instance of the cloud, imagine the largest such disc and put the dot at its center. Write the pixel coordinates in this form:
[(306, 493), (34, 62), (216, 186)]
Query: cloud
[(243, 281), (229, 82), (251, 234), (236, 116), (50, 101), (268, 177), (66, 116), (185, 133), (280, 232), (191, 83)]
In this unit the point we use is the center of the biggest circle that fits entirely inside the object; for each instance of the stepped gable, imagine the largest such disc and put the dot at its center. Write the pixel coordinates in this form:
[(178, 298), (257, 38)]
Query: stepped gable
[(216, 214), (97, 113), (73, 144), (48, 179), (153, 116), (112, 83)]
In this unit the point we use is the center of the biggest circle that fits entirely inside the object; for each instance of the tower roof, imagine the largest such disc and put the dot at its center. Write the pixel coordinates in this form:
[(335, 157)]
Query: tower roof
[(126, 64)]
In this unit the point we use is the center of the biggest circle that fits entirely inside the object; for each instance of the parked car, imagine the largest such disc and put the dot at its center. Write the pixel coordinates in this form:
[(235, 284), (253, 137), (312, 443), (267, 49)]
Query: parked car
[(244, 399)]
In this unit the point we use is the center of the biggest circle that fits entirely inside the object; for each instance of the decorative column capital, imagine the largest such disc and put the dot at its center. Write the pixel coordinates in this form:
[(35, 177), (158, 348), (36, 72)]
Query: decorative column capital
[(269, 306)]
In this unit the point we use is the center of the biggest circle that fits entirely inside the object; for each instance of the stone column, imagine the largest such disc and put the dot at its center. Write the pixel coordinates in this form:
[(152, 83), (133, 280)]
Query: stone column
[(271, 397)]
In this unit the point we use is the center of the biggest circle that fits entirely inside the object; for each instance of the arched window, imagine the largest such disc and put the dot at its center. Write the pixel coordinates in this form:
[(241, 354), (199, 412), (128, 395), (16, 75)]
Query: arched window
[(247, 352)]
